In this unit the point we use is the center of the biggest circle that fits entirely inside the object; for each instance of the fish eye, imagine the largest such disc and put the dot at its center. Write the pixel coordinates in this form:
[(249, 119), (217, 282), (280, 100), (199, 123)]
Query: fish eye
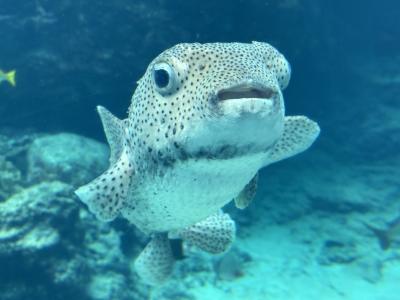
[(165, 78)]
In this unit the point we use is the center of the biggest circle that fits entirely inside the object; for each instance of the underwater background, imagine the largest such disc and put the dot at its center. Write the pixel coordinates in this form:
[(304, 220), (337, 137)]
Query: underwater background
[(324, 225)]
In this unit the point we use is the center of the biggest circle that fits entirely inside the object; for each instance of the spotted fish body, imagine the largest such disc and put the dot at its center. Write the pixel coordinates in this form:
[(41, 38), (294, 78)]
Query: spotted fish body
[(203, 120)]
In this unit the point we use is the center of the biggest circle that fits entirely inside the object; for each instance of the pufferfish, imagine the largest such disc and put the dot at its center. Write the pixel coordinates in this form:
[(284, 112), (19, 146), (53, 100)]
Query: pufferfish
[(203, 120)]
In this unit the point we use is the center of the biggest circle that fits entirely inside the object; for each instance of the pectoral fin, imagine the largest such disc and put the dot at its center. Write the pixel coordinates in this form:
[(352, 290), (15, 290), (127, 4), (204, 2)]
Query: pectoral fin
[(299, 133), (105, 196)]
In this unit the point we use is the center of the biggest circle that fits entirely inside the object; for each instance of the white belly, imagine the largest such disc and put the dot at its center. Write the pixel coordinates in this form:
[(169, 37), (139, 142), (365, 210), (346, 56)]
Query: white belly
[(189, 192)]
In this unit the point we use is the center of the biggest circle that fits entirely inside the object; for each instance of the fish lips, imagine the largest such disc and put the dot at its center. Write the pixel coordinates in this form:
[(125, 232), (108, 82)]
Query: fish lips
[(249, 97)]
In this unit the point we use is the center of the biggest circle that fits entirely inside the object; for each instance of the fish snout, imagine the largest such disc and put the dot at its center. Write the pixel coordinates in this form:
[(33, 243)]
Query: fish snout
[(249, 97), (248, 89), (239, 92)]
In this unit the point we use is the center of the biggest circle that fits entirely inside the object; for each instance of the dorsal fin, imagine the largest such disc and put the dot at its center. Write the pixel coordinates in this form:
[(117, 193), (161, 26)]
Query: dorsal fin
[(114, 129)]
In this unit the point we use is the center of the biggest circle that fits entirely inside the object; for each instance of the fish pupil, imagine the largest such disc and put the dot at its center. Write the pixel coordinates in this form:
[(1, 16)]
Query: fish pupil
[(161, 78)]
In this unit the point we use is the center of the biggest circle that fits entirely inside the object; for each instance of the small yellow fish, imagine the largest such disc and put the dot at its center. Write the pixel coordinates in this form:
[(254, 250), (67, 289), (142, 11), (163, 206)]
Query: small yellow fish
[(9, 77)]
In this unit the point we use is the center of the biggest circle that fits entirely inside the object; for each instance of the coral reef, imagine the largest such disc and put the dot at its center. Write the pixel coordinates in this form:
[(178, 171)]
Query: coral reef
[(10, 178), (27, 218), (305, 232), (47, 233), (66, 157)]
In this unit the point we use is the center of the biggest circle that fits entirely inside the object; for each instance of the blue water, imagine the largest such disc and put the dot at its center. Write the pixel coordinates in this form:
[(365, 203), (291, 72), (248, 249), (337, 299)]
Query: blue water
[(70, 56)]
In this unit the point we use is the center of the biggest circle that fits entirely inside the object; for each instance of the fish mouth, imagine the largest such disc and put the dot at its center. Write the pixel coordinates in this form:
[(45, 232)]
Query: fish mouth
[(247, 90)]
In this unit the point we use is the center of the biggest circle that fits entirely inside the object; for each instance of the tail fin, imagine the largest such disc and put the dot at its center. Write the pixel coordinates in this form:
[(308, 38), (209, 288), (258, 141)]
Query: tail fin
[(383, 237), (11, 77)]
